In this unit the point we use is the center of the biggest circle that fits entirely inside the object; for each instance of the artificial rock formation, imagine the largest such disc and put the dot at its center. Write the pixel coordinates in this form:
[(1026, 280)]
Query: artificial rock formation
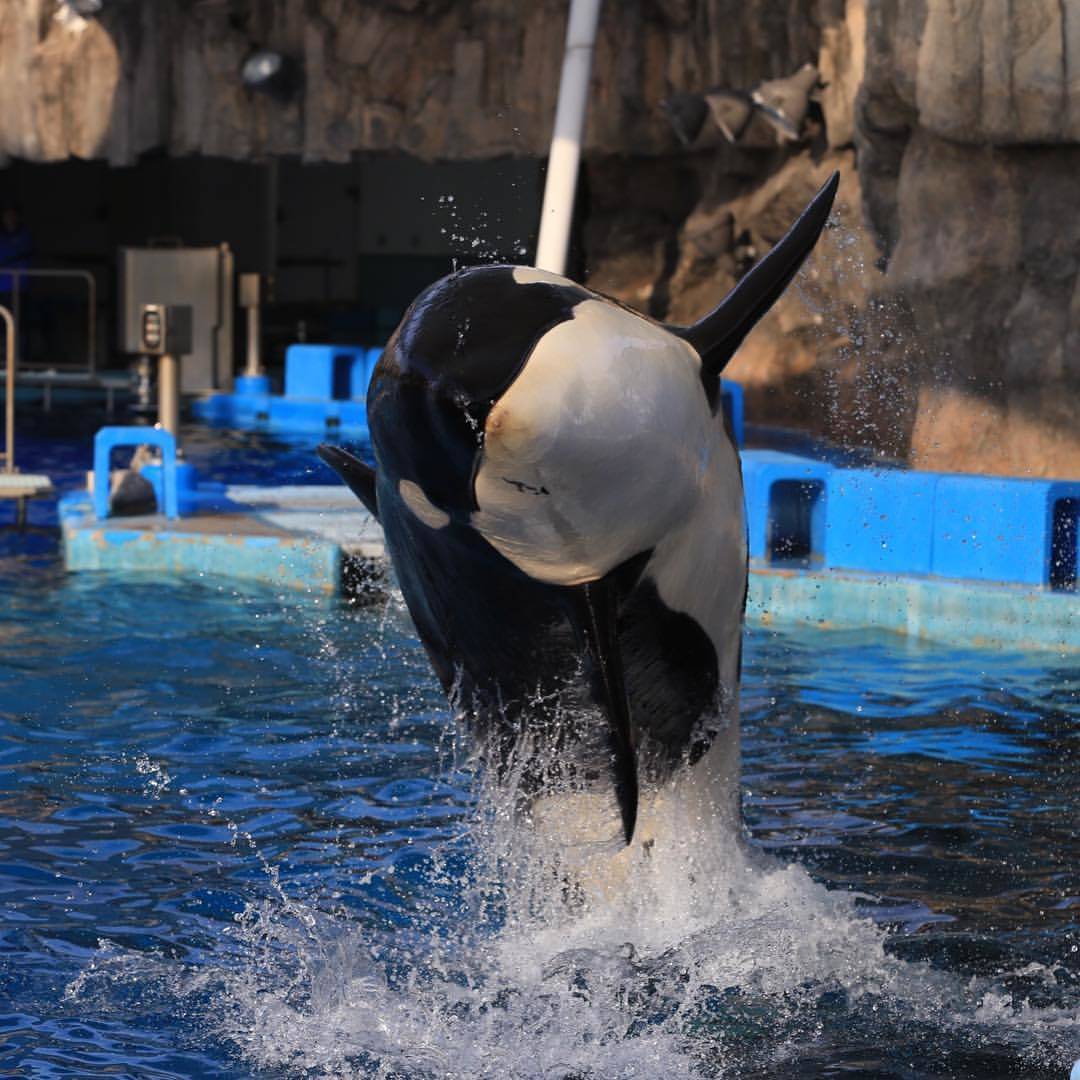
[(940, 320), (968, 144), (431, 78)]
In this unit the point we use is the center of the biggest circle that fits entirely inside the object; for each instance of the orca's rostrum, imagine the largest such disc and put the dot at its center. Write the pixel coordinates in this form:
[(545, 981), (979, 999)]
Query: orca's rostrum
[(562, 502)]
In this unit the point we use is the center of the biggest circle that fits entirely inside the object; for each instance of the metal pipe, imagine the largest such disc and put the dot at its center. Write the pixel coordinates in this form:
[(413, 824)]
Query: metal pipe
[(565, 157), (169, 393), (254, 346), (249, 300), (9, 400)]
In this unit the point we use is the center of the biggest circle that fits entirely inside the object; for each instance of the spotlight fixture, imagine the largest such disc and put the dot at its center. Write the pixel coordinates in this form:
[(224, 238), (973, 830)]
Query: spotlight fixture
[(272, 73)]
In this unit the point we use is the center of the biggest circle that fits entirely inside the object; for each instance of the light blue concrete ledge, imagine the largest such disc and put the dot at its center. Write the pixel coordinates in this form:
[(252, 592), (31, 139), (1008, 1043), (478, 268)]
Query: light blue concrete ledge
[(971, 613), (287, 562), (244, 545)]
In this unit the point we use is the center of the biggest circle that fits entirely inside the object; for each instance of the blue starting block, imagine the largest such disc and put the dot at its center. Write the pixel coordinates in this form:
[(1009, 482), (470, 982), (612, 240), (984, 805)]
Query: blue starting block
[(176, 485), (109, 438)]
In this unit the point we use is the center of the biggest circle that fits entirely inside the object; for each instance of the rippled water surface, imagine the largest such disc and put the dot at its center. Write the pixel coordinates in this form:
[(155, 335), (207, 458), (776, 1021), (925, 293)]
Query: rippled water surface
[(240, 839)]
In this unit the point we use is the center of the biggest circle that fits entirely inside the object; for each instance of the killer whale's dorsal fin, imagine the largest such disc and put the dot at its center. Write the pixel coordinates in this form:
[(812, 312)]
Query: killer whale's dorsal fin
[(357, 474), (721, 332)]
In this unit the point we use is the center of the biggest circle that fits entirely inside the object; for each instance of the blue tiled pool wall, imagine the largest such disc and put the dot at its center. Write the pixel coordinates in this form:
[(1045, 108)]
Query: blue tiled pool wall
[(808, 513)]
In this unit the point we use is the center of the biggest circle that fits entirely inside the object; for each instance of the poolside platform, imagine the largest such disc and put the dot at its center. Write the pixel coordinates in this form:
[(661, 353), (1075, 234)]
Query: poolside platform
[(320, 540), (312, 539), (324, 394)]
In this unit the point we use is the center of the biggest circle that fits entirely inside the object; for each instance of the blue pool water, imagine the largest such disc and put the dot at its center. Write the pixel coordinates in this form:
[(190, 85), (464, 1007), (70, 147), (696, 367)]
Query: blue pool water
[(240, 838)]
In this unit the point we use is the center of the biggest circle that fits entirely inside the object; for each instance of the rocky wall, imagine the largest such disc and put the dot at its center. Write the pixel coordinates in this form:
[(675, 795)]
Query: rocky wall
[(432, 78), (940, 319), (969, 150)]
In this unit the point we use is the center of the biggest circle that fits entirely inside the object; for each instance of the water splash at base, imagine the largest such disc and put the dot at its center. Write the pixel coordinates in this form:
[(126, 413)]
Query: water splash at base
[(727, 965)]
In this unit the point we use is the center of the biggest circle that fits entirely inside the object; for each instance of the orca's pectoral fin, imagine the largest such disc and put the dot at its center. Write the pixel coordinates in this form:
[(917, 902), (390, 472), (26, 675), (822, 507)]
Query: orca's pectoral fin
[(357, 474), (719, 334), (597, 603)]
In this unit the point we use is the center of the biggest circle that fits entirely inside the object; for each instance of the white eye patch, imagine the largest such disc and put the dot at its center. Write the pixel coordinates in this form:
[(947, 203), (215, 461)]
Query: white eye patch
[(412, 495)]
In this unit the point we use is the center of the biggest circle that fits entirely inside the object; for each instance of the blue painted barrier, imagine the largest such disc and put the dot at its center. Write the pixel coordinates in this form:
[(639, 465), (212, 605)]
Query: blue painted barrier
[(1001, 529), (785, 507), (880, 520), (325, 395), (108, 439), (802, 512)]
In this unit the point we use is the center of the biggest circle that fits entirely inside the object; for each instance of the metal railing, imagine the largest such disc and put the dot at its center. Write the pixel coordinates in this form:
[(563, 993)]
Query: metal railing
[(17, 274), (9, 397)]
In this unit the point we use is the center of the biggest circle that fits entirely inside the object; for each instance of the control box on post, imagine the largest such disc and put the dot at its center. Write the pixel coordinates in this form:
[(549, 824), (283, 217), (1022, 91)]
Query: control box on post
[(165, 330), (200, 277)]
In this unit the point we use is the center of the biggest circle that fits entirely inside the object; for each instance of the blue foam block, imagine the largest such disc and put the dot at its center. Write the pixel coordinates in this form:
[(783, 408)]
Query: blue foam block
[(784, 494), (325, 372), (880, 520)]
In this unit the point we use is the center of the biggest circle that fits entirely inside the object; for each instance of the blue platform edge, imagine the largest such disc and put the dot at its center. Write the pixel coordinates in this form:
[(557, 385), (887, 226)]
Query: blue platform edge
[(295, 562), (966, 613), (829, 547)]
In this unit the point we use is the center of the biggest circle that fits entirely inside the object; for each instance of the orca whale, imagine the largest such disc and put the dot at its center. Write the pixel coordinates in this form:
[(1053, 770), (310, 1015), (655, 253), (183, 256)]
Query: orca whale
[(562, 503)]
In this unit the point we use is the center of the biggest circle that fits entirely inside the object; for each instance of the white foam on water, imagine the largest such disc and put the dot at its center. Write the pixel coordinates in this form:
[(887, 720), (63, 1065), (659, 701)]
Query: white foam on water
[(687, 975), (701, 957)]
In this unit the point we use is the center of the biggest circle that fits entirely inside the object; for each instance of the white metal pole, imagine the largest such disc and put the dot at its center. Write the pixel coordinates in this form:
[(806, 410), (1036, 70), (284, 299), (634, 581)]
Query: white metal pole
[(565, 157)]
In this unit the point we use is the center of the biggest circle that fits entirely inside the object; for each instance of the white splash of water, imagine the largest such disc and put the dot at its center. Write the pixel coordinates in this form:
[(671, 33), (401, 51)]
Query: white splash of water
[(502, 959)]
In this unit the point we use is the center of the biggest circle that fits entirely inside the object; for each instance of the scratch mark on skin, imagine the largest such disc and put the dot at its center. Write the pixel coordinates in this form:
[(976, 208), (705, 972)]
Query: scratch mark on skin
[(522, 486)]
